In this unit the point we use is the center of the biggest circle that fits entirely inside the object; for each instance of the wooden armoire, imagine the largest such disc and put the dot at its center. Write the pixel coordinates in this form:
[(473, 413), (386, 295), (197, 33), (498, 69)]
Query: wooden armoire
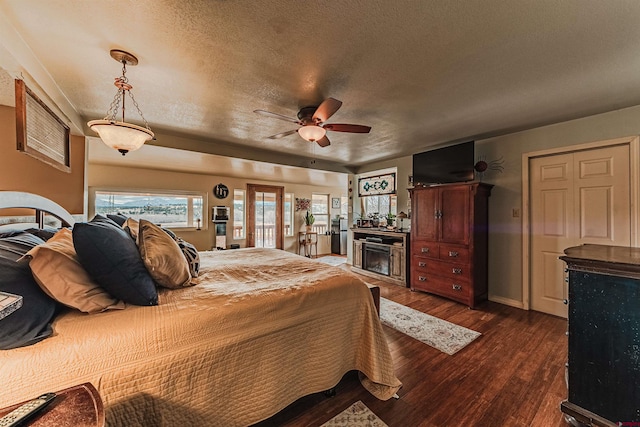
[(449, 240)]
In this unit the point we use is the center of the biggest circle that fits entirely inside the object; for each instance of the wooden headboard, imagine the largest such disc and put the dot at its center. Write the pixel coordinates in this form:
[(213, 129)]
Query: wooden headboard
[(41, 205)]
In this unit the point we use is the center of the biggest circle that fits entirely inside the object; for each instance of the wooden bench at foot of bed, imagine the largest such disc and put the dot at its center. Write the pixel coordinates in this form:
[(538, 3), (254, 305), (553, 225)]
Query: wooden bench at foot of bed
[(375, 293)]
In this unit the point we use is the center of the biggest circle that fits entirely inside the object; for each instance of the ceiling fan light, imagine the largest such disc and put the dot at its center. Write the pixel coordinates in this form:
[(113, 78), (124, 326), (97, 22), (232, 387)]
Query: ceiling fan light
[(312, 133), (121, 136)]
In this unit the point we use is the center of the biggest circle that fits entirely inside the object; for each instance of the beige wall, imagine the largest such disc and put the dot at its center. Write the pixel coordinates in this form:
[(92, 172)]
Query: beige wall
[(505, 243), (21, 172), (131, 178)]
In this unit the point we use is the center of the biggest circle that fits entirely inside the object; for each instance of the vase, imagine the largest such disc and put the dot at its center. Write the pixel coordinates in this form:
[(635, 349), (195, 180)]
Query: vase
[(308, 228)]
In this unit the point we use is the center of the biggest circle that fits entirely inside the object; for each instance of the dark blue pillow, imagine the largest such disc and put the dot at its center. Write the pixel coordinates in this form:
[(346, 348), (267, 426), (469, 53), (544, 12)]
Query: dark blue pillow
[(111, 258), (118, 218), (44, 233), (14, 246), (31, 322)]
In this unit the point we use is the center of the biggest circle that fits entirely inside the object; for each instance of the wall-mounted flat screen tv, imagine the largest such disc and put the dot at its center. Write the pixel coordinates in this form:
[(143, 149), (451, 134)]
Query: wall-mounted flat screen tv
[(444, 165)]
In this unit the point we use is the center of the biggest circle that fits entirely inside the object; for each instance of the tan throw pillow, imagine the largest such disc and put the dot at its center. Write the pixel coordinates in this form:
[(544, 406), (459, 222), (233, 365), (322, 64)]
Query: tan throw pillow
[(56, 269), (162, 256), (132, 226)]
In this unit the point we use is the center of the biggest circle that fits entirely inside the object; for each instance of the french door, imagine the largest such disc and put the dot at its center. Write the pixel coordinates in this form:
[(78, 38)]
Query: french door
[(265, 215)]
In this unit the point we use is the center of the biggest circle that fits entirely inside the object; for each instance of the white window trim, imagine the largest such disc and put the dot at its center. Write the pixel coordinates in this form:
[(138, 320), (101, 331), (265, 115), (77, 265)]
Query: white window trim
[(291, 214), (244, 214)]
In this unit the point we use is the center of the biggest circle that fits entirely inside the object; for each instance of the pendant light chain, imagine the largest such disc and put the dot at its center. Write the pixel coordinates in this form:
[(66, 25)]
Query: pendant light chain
[(114, 107), (123, 85), (135, 104)]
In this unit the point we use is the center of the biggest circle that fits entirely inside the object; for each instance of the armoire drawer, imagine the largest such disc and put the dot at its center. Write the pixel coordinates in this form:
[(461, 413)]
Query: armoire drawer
[(454, 271), (425, 249), (423, 281), (452, 253)]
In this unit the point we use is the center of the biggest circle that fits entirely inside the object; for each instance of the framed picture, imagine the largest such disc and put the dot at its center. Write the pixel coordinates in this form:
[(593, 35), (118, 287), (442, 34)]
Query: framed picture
[(335, 202), (39, 131)]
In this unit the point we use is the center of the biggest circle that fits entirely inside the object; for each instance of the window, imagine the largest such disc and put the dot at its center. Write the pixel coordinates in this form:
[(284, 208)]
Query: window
[(320, 211), (288, 214), (344, 206), (382, 205), (238, 214), (171, 210)]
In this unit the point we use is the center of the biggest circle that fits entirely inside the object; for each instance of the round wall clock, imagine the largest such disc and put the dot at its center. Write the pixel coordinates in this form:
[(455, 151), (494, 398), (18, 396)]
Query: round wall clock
[(220, 191)]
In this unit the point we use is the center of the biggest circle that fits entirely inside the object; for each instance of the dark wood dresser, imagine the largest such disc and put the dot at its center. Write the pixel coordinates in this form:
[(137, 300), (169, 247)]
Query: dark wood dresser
[(449, 243), (604, 335)]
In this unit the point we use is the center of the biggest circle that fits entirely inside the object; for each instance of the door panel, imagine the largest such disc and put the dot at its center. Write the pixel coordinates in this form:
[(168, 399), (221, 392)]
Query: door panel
[(265, 217), (576, 198), (454, 208), (552, 227), (426, 204), (604, 204), (596, 213), (265, 227)]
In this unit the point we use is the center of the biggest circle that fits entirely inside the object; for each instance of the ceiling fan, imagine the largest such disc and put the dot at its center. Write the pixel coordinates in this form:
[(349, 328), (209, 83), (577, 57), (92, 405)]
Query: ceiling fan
[(312, 121)]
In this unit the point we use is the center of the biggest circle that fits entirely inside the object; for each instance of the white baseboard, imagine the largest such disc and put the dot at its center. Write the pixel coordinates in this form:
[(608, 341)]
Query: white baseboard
[(506, 301)]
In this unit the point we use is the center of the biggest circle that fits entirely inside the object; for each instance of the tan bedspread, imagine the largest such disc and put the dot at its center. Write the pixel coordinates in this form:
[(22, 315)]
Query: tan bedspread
[(261, 328)]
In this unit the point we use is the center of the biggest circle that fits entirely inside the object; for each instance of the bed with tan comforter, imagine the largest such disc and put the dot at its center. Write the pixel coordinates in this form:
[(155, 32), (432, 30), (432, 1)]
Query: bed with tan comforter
[(260, 329)]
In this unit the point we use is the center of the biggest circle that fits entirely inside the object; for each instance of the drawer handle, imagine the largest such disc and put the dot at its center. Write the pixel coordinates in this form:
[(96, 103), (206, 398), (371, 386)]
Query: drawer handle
[(424, 250), (422, 278), (453, 253), (456, 270), (456, 287), (422, 264)]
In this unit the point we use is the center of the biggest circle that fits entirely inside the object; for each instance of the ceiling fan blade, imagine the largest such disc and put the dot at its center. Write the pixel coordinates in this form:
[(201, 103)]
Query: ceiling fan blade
[(283, 134), (324, 141), (325, 110), (338, 127), (276, 116)]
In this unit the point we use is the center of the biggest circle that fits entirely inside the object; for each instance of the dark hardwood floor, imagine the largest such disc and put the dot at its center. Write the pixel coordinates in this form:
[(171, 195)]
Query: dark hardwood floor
[(513, 375)]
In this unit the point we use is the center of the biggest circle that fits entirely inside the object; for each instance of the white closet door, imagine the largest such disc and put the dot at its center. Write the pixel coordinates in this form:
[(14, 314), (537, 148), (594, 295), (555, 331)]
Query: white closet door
[(576, 198)]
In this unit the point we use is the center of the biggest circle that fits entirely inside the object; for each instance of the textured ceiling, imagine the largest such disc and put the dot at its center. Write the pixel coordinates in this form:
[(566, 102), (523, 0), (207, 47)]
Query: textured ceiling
[(420, 73)]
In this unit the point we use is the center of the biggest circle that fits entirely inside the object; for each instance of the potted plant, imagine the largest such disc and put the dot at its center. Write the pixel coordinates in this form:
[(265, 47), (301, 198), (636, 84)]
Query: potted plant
[(375, 219), (309, 219), (390, 218)]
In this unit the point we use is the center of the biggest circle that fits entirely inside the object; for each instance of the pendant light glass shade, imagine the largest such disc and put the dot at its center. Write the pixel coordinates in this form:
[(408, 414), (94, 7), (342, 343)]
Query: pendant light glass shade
[(121, 136), (312, 133)]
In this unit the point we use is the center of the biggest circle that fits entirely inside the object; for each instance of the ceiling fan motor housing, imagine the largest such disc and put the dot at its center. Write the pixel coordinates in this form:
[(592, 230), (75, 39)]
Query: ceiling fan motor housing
[(305, 115)]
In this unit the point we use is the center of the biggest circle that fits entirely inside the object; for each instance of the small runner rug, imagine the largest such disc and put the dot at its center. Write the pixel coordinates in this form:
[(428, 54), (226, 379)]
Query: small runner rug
[(440, 334), (356, 415), (332, 260)]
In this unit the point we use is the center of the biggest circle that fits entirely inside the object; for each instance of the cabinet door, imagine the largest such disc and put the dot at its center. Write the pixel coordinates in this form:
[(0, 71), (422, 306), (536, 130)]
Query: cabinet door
[(454, 212), (423, 216), (397, 263), (357, 254)]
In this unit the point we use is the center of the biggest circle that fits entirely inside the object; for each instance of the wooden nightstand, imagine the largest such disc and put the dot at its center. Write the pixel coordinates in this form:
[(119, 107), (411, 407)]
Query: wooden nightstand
[(77, 406)]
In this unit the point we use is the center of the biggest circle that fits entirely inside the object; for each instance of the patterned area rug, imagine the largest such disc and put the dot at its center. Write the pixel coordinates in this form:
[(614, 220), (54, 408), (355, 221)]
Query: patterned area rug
[(332, 260), (356, 415), (445, 336)]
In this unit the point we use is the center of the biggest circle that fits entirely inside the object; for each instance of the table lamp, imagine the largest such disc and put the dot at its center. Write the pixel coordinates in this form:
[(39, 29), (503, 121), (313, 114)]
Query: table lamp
[(401, 216)]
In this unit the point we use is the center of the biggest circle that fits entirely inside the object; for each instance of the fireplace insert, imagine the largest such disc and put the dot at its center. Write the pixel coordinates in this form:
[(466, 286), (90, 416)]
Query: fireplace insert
[(376, 258)]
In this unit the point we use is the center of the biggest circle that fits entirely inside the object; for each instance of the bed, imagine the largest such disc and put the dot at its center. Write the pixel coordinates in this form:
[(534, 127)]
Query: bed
[(255, 331)]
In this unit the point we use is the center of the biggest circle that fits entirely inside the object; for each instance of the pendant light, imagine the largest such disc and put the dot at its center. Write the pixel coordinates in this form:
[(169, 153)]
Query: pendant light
[(121, 135)]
